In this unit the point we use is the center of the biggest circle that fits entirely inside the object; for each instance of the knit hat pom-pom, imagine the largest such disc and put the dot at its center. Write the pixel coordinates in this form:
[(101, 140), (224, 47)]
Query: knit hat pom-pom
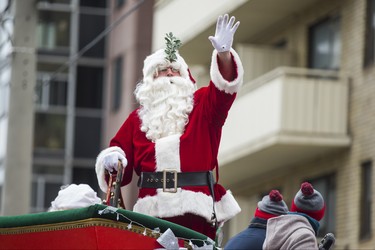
[(307, 189), (275, 196)]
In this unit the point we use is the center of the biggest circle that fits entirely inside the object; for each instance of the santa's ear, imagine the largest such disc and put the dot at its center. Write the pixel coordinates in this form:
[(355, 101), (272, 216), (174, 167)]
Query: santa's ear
[(190, 76)]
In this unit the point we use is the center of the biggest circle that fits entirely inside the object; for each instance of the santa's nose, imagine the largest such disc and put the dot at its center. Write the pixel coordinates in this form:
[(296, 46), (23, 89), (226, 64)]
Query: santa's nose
[(169, 72)]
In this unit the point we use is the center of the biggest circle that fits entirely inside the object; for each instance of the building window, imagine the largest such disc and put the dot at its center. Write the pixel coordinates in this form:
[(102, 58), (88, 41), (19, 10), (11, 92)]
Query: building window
[(46, 184), (51, 92), (49, 134), (87, 136), (53, 32), (89, 89), (325, 44), (369, 56), (90, 26), (117, 84), (51, 89), (326, 185), (366, 200)]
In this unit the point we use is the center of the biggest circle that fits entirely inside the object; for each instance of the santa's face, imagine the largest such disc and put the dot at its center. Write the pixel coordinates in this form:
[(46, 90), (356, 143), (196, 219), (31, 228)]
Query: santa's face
[(167, 71), (166, 103)]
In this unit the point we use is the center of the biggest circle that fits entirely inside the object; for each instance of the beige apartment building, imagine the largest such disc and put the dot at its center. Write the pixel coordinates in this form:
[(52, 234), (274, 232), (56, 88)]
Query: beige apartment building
[(305, 111)]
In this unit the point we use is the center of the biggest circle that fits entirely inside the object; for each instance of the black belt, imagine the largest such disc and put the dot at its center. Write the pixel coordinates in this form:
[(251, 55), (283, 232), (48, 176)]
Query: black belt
[(170, 180)]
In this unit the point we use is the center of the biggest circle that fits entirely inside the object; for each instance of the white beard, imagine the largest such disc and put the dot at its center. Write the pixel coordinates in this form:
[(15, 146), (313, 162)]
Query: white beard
[(166, 103)]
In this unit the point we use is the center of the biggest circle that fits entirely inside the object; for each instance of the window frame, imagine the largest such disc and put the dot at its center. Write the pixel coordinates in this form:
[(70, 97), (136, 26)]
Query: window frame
[(369, 47), (365, 228), (324, 21)]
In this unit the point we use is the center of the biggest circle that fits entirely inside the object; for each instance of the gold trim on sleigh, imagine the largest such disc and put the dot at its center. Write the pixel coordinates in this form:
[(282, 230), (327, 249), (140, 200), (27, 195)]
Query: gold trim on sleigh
[(92, 222), (79, 224)]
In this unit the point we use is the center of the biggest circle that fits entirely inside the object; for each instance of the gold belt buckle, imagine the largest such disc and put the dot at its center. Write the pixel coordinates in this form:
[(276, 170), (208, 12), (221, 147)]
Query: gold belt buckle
[(169, 190)]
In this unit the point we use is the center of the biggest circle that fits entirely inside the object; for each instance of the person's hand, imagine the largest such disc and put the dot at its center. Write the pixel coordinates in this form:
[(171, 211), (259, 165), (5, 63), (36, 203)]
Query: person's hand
[(110, 161), (223, 39)]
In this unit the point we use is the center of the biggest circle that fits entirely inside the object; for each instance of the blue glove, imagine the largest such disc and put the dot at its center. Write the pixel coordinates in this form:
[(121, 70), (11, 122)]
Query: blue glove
[(223, 39)]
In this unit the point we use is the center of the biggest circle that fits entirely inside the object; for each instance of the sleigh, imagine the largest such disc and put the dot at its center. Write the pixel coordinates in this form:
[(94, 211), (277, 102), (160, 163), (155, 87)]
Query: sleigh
[(95, 227), (100, 226)]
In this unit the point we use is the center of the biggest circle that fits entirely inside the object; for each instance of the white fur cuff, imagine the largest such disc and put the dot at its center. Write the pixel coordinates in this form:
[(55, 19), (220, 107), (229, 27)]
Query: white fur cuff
[(99, 166), (219, 81), (227, 207)]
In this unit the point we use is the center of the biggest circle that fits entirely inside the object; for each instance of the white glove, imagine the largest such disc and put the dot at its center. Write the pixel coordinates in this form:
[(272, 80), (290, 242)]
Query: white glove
[(223, 39), (111, 159), (108, 160)]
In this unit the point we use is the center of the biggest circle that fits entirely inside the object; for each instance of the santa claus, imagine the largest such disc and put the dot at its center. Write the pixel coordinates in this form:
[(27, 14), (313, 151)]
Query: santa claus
[(171, 141)]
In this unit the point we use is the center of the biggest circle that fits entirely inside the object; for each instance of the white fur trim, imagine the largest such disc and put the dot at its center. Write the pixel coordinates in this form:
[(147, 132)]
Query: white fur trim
[(227, 207), (99, 166), (219, 81), (165, 204), (167, 153), (158, 59)]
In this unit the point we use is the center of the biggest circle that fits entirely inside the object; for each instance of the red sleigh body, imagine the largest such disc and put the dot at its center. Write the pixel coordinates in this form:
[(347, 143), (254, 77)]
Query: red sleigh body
[(94, 227)]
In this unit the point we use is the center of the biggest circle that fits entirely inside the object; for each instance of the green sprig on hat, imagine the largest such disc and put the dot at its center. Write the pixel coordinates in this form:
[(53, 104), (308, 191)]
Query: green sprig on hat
[(172, 45)]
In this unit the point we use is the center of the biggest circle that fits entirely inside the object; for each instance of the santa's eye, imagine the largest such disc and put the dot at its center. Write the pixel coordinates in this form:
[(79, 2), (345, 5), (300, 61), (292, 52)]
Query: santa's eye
[(165, 69)]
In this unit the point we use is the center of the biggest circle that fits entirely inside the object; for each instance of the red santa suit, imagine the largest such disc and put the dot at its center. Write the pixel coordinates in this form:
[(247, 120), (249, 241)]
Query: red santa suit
[(195, 150)]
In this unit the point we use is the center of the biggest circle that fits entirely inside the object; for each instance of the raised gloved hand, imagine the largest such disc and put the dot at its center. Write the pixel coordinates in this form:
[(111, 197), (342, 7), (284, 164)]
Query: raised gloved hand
[(110, 161), (223, 39)]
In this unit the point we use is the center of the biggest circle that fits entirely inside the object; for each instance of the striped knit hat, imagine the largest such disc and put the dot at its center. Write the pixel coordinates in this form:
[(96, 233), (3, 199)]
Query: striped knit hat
[(309, 201), (271, 205)]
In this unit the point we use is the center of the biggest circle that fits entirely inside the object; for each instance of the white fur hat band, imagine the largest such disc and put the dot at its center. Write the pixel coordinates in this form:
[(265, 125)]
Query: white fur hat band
[(159, 59)]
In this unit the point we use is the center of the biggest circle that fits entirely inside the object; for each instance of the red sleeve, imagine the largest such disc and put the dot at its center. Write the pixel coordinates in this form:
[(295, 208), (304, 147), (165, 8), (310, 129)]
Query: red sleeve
[(124, 140), (216, 104)]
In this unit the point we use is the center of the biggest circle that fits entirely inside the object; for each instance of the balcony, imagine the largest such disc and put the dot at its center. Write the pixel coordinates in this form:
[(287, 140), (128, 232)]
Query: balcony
[(284, 114), (257, 17), (284, 117)]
